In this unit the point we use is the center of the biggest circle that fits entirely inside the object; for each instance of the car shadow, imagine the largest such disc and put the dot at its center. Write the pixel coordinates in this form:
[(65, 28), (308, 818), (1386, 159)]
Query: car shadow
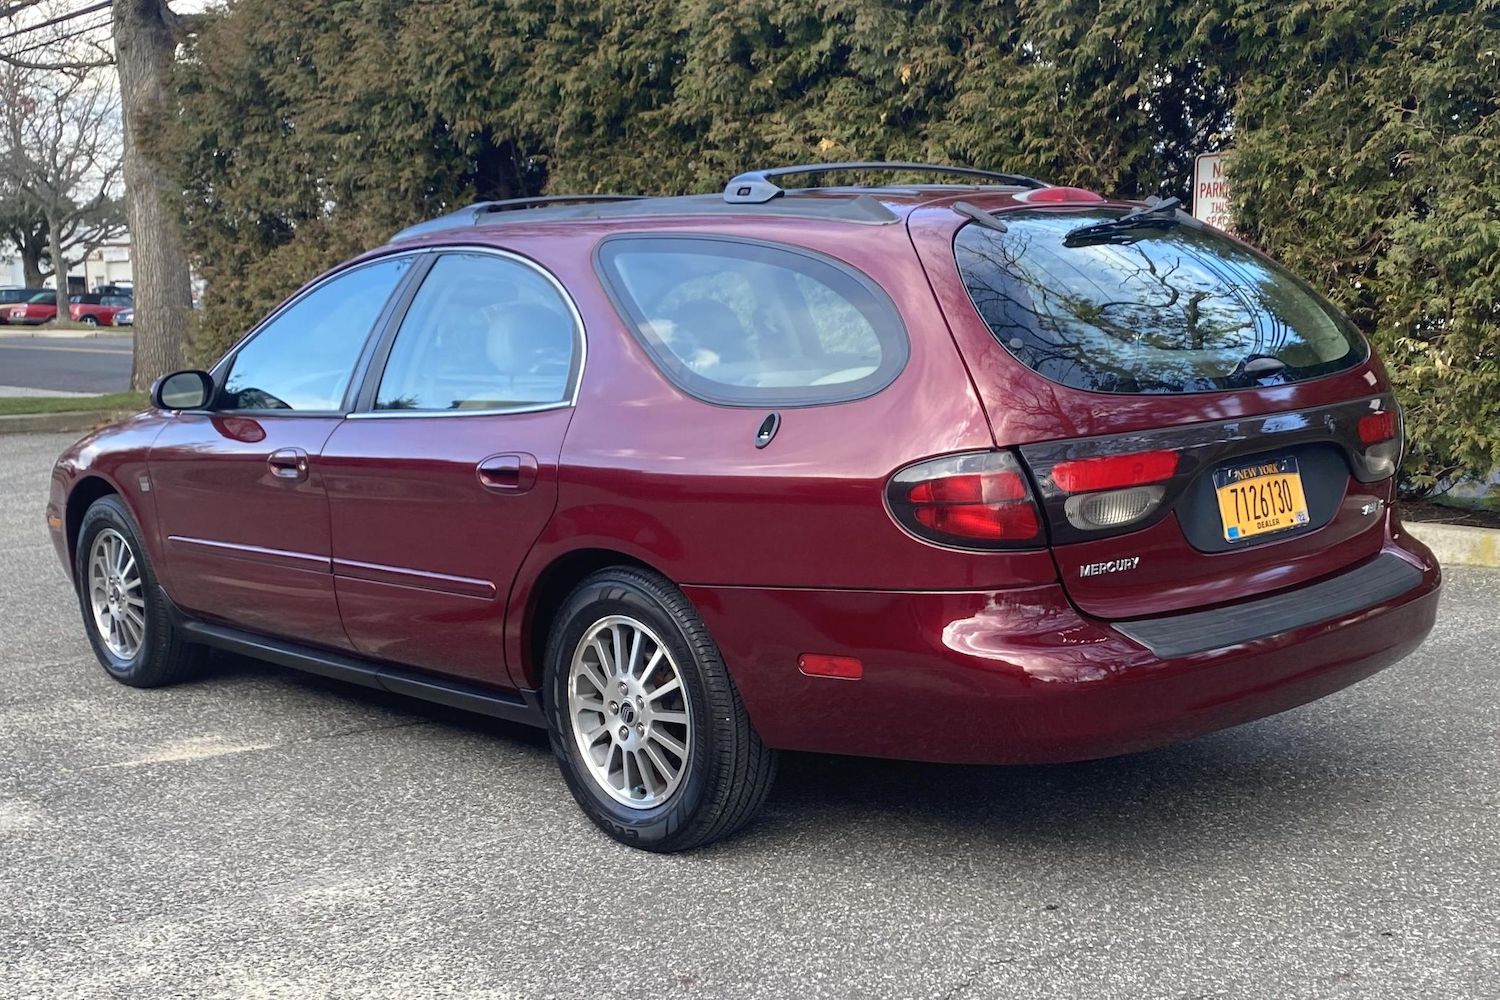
[(1271, 780), (1265, 781)]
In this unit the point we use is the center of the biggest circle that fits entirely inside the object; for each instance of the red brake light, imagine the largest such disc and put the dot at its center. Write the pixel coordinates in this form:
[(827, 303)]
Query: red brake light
[(1058, 195), (980, 500), (1377, 427), (987, 521), (1108, 472)]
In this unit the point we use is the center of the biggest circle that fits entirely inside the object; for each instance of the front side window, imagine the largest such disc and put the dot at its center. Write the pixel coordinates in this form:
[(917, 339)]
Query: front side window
[(1168, 308), (752, 324), (483, 333), (304, 358)]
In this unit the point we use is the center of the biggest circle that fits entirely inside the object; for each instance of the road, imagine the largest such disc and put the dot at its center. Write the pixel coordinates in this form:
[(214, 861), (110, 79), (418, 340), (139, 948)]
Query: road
[(263, 834), (65, 364)]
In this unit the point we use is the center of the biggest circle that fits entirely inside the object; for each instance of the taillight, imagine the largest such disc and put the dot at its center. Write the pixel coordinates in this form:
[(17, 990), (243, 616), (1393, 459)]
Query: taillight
[(980, 500), (1377, 427), (1111, 491), (1108, 472), (1381, 434)]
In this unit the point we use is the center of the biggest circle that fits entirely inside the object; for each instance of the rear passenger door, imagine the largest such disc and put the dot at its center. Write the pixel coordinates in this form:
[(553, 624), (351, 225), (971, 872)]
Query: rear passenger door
[(445, 475)]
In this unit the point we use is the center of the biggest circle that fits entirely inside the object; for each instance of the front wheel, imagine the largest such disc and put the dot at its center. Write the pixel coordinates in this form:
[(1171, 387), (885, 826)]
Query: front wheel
[(645, 721), (124, 612), (90, 321)]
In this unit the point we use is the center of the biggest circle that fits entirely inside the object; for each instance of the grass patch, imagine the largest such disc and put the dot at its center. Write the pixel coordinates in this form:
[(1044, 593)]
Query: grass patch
[(72, 404)]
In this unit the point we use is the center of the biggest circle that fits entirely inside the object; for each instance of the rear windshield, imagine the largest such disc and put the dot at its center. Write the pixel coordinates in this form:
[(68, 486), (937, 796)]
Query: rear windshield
[(751, 324), (1173, 309)]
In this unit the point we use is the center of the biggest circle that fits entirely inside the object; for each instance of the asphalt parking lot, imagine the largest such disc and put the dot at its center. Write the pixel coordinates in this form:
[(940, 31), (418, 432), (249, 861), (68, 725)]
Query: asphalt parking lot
[(263, 834)]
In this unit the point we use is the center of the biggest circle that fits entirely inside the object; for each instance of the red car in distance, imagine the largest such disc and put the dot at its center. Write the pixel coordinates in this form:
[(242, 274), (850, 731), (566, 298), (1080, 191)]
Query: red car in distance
[(97, 309), (986, 472), (39, 308)]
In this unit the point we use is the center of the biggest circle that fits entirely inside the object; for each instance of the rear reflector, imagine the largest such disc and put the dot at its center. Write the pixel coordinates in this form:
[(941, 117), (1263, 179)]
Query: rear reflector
[(1377, 427), (822, 665), (1108, 472), (979, 500)]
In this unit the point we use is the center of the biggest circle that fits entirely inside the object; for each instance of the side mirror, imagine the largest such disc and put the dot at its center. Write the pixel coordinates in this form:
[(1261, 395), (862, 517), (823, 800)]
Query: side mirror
[(189, 390)]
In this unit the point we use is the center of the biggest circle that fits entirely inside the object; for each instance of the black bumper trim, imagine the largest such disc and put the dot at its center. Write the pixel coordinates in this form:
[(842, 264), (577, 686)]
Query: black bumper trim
[(1384, 577)]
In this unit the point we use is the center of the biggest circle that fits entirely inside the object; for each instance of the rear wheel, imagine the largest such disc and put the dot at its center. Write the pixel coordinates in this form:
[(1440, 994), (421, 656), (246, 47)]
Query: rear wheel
[(124, 613), (90, 321), (645, 721)]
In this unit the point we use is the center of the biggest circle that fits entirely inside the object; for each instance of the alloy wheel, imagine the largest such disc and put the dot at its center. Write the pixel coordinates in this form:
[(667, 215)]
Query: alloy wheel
[(629, 712), (116, 596)]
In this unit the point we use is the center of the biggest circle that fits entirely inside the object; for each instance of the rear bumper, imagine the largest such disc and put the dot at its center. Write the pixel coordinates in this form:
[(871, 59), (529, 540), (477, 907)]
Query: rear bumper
[(1022, 676)]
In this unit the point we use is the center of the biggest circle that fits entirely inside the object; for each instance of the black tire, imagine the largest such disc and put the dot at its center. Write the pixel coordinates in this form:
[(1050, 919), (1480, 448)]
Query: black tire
[(90, 321), (163, 656), (729, 770)]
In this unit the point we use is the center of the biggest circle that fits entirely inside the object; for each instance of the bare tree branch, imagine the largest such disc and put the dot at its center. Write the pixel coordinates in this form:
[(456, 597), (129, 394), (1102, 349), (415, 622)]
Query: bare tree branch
[(60, 156)]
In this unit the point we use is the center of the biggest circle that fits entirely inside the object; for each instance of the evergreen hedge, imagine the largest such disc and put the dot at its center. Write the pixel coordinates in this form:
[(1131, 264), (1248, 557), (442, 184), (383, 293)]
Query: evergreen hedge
[(1363, 135)]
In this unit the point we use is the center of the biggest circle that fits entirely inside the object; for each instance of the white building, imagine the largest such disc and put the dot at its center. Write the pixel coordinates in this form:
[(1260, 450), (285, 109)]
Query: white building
[(106, 265)]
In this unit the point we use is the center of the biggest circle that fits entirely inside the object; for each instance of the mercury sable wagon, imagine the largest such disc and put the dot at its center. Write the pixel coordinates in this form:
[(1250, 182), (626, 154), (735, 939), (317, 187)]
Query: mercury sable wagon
[(991, 471)]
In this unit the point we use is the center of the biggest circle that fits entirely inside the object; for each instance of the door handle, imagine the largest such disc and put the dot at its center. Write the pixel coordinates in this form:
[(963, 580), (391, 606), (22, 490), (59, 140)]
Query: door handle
[(514, 473), (288, 463)]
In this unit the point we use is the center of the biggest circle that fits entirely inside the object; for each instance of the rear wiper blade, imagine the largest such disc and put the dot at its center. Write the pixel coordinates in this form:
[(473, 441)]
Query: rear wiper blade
[(1158, 216), (1254, 367), (979, 215)]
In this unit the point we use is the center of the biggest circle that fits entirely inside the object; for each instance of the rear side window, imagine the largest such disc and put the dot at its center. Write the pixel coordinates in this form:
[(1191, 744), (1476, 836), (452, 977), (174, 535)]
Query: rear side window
[(1170, 309), (751, 324)]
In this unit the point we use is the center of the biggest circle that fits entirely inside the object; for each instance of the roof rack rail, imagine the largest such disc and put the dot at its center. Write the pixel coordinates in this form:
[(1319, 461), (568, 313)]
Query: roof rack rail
[(756, 187), (473, 215)]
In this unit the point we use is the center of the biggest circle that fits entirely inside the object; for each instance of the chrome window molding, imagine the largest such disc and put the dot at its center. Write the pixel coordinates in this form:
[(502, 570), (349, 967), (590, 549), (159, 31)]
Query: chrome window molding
[(580, 338)]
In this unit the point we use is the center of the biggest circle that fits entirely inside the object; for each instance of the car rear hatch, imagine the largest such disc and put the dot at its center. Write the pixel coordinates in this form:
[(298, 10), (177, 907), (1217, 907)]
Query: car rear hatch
[(1249, 439)]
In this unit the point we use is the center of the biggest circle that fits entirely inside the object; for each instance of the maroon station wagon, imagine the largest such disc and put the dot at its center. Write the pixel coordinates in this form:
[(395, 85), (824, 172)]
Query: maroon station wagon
[(993, 471)]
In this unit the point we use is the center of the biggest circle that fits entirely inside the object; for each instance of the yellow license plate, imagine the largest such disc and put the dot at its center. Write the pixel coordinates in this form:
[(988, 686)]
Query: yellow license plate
[(1261, 498)]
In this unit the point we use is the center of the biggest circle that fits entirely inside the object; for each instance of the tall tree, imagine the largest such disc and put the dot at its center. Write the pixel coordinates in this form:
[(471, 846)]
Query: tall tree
[(59, 151), (146, 34)]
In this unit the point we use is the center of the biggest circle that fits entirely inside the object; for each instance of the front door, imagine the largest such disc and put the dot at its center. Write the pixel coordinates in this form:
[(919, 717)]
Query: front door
[(442, 480), (239, 492)]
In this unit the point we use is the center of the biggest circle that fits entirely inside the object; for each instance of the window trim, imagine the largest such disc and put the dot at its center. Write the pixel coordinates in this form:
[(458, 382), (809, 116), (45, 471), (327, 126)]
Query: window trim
[(666, 366), (221, 368), (369, 382)]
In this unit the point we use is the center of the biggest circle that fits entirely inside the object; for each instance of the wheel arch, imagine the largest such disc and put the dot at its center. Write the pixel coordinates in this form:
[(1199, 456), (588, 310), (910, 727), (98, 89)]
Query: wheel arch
[(85, 493), (543, 596)]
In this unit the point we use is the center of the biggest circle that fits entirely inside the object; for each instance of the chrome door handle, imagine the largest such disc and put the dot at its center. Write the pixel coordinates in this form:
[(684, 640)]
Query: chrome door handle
[(514, 473), (288, 463)]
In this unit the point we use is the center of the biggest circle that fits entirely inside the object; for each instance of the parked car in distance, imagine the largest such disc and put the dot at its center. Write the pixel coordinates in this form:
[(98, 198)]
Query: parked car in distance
[(94, 309), (125, 317), (12, 297), (123, 291), (39, 308), (987, 472)]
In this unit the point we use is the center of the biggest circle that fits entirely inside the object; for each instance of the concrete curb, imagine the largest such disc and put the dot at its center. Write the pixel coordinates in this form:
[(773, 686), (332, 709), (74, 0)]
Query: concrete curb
[(1458, 544), (34, 333), (57, 423)]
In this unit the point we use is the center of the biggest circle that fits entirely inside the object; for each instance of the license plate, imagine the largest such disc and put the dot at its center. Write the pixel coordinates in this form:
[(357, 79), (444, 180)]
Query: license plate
[(1261, 498)]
